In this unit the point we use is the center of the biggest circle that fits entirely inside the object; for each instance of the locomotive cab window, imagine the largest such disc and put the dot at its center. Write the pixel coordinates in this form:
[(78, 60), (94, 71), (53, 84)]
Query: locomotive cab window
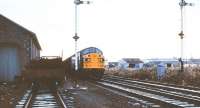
[(86, 59)]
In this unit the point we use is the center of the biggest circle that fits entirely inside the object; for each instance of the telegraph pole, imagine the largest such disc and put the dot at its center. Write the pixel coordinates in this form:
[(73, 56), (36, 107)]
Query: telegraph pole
[(182, 4), (76, 37)]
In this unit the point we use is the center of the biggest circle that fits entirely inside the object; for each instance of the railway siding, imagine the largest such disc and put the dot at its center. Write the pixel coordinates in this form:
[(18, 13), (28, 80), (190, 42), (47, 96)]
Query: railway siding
[(45, 98), (157, 93)]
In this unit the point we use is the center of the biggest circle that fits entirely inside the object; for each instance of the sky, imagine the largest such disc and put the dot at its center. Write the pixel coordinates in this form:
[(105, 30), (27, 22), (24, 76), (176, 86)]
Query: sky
[(120, 28)]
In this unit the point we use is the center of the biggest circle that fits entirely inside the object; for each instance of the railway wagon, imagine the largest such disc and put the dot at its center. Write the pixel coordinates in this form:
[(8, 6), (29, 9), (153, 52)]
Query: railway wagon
[(90, 64), (47, 69)]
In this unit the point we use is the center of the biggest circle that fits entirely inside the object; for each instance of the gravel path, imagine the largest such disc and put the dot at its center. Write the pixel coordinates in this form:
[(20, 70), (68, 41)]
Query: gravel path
[(10, 94), (96, 97)]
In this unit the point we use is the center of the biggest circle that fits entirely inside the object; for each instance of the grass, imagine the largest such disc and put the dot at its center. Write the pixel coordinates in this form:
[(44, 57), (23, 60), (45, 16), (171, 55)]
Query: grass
[(190, 76)]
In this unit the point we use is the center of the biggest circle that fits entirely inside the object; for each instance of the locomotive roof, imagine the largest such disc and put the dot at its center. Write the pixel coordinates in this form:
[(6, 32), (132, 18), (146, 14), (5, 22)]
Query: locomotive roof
[(86, 51), (90, 50)]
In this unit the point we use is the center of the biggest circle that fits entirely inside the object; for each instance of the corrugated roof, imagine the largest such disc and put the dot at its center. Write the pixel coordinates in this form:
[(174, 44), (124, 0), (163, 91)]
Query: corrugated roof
[(31, 34)]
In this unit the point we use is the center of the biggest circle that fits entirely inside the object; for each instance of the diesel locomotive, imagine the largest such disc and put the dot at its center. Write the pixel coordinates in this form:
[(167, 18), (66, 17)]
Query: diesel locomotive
[(90, 64), (51, 69)]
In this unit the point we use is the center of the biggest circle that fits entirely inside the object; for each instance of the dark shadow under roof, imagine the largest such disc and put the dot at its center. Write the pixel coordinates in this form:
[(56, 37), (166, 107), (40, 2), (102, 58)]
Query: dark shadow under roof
[(133, 60)]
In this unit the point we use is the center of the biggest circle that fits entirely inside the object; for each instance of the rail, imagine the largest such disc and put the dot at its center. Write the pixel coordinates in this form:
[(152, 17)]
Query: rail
[(164, 95)]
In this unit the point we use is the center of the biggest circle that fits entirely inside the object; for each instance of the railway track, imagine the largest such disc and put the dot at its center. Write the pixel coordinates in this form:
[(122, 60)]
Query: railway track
[(154, 93), (178, 88), (45, 98), (41, 98)]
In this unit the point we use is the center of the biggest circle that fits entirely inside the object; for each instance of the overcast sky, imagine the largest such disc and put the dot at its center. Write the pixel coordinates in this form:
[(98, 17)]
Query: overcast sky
[(120, 28)]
